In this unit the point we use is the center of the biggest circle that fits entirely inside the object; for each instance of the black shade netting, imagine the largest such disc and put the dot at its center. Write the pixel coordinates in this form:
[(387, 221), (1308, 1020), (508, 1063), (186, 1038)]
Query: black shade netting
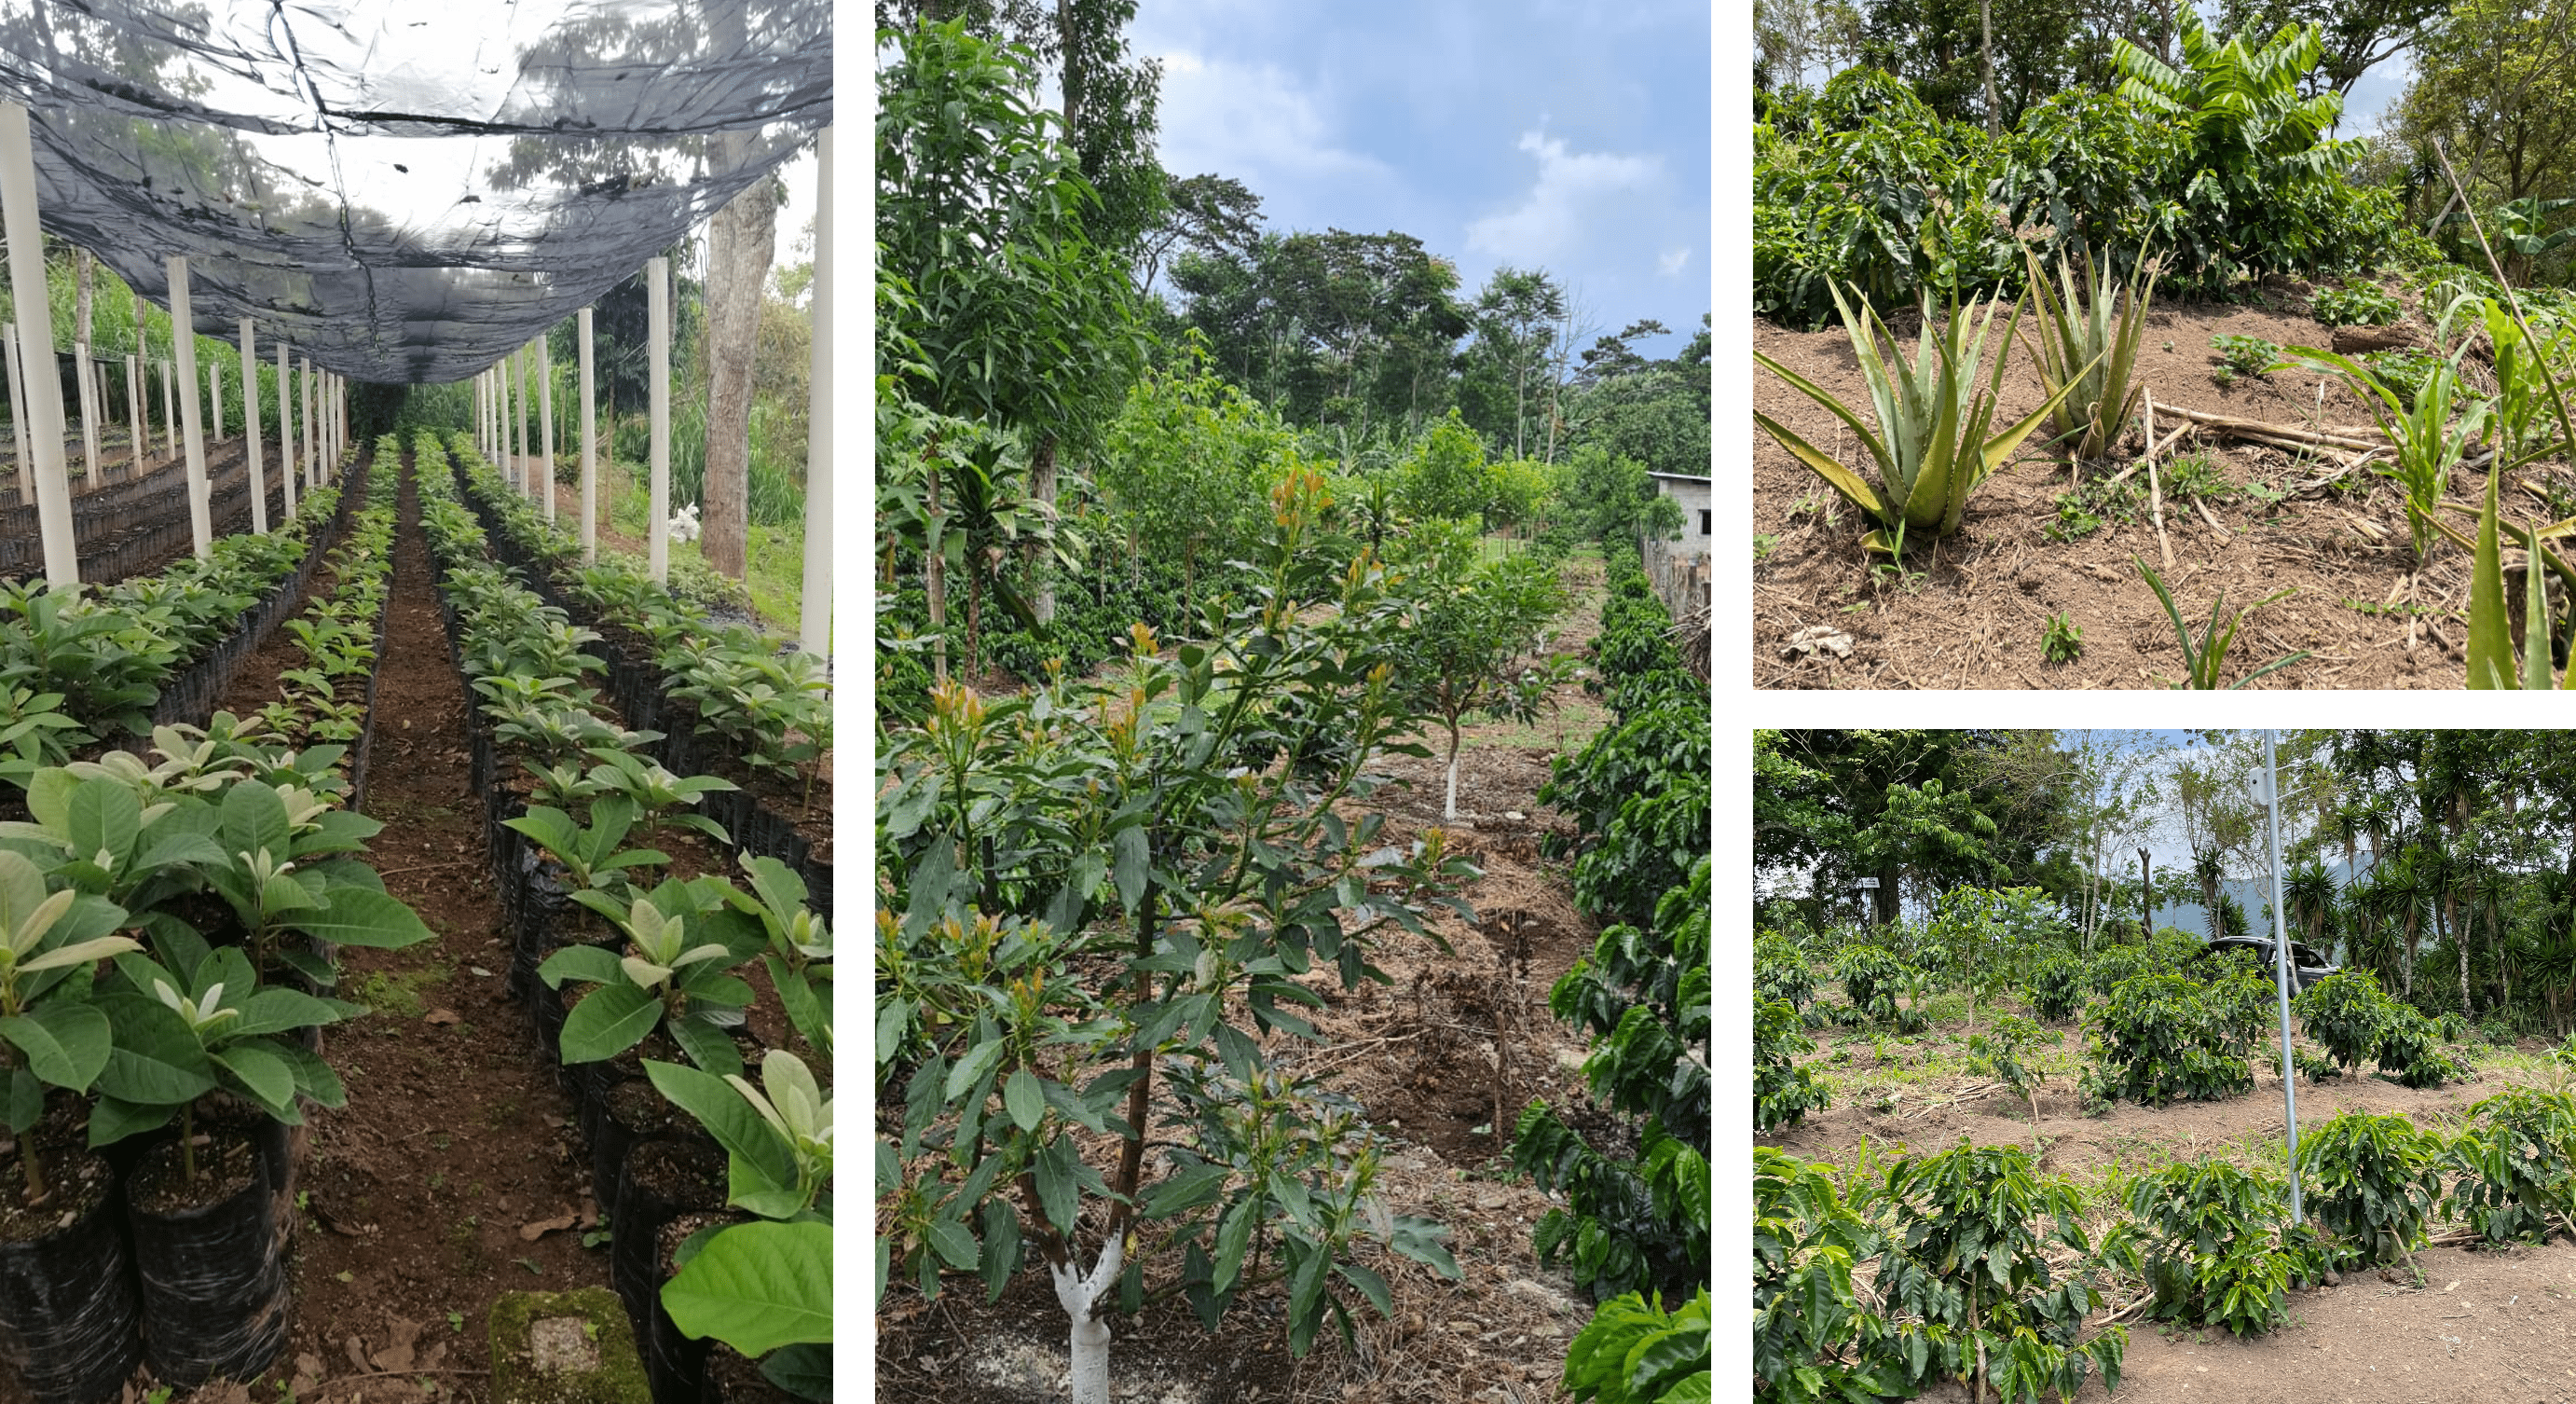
[(403, 192)]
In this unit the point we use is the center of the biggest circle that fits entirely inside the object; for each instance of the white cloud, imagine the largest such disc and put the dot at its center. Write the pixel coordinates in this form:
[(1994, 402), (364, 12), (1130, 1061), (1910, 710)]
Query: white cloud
[(1574, 190), (1249, 121), (1671, 261)]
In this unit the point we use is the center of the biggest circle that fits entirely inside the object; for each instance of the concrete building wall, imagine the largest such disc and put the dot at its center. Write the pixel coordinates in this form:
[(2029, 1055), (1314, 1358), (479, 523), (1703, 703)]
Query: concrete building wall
[(1680, 568)]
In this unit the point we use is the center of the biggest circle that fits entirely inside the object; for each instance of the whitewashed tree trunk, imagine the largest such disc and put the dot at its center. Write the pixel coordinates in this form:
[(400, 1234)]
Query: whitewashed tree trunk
[(739, 242), (1079, 1295)]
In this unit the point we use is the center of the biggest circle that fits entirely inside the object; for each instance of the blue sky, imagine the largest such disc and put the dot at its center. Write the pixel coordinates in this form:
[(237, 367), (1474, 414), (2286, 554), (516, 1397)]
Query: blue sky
[(1570, 135)]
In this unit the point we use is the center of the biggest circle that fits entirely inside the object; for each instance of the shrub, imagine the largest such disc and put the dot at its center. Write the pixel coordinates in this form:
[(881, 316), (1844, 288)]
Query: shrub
[(2517, 1165), (1783, 1092), (2207, 1237), (2411, 1050), (2405, 371), (2354, 305), (2347, 1014), (2157, 1040), (2371, 1181), (2056, 990), (1871, 976), (1780, 970), (2245, 1004), (1812, 1338), (2109, 967), (2000, 1051), (1968, 1260), (1634, 1353)]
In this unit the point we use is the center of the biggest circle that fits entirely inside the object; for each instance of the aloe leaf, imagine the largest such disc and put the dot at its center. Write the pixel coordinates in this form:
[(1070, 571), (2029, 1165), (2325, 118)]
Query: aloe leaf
[(2490, 645), (1840, 478)]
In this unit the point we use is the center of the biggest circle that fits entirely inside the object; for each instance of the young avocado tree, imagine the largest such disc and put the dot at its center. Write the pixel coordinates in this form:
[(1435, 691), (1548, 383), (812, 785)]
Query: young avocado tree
[(1476, 628), (1087, 890)]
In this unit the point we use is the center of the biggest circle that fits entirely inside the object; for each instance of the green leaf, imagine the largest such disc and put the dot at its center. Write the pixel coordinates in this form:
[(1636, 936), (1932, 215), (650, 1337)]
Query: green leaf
[(155, 1059), (263, 1074), (66, 1044), (354, 916), (803, 1370), (1025, 1098), (590, 965), (608, 1021), (254, 818), (757, 1287), (112, 1119), (278, 1009), (761, 1162), (972, 1068), (1233, 1238), (1200, 1184), (1059, 1191), (954, 1242), (104, 817), (1133, 865)]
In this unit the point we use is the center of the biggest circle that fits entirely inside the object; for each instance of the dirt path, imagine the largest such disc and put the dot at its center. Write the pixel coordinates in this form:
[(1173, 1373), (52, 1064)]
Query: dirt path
[(1975, 614), (455, 1135)]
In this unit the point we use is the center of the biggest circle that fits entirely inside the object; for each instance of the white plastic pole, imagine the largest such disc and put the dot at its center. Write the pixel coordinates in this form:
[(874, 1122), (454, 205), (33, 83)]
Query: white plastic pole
[(814, 623), (44, 386), (312, 429), (138, 429), (545, 482), (18, 411), (501, 435), (250, 429), (169, 412), (88, 384), (286, 427), (589, 451), (657, 371), (2281, 969), (183, 339), (519, 398), (214, 400)]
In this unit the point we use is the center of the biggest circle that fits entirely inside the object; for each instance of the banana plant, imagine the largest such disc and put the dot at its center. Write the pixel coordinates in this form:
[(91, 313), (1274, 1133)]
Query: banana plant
[(50, 943), (2097, 333), (664, 980), (196, 1021), (1931, 449)]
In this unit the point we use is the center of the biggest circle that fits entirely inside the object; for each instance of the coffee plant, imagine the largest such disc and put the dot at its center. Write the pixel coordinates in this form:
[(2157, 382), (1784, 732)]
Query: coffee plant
[(2413, 1051), (1813, 1338), (2056, 990), (2516, 1161), (1871, 976), (2354, 305), (1783, 1092), (1634, 1352), (2207, 1236), (1780, 970), (2346, 1014), (2004, 1050), (1967, 1260), (2373, 1182), (2158, 1039)]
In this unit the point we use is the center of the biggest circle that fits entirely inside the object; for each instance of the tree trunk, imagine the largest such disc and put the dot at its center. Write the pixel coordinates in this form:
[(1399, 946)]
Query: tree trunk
[(1042, 479), (1090, 1342), (1449, 808), (738, 253), (2146, 896), (1883, 897), (1994, 111)]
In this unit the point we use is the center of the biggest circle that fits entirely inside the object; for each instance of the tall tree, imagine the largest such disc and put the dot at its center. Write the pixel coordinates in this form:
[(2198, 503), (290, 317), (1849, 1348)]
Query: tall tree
[(740, 243), (1517, 318), (2357, 35)]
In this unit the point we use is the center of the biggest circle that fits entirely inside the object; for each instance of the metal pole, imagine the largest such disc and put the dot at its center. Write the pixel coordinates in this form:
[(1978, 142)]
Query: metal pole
[(589, 451), (286, 427), (183, 338), (814, 631), (546, 424), (36, 336), (2281, 969), (18, 413), (250, 429), (658, 376)]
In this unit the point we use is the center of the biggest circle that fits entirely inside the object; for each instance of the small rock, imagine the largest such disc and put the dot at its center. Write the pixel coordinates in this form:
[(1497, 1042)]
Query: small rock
[(442, 1016)]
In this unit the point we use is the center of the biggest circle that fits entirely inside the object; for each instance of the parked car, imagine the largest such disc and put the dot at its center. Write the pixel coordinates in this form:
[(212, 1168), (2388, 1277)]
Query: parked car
[(2306, 966)]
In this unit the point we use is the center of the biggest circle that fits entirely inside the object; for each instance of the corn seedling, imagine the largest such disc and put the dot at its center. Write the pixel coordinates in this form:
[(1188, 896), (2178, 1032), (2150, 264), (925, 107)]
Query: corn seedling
[(1931, 449), (2204, 663), (2088, 350)]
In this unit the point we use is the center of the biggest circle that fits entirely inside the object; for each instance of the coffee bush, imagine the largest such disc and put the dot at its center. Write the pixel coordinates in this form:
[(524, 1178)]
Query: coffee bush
[(1783, 1092), (2157, 1039), (2373, 1182)]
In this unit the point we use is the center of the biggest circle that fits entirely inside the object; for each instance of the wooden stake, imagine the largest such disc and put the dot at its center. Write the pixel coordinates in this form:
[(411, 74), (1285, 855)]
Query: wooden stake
[(2155, 490)]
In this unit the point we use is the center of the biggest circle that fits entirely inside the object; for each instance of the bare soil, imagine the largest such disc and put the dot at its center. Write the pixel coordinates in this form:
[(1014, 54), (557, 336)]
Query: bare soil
[(1455, 1037), (1975, 613)]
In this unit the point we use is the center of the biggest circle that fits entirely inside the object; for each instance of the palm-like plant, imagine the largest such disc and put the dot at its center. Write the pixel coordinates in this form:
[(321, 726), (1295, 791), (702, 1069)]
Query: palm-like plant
[(2240, 101), (2309, 893), (2089, 347), (1931, 449)]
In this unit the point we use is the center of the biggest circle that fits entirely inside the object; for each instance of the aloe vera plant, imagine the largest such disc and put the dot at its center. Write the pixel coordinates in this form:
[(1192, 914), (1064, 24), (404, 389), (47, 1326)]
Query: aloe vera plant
[(1931, 449), (2089, 347), (2204, 661)]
